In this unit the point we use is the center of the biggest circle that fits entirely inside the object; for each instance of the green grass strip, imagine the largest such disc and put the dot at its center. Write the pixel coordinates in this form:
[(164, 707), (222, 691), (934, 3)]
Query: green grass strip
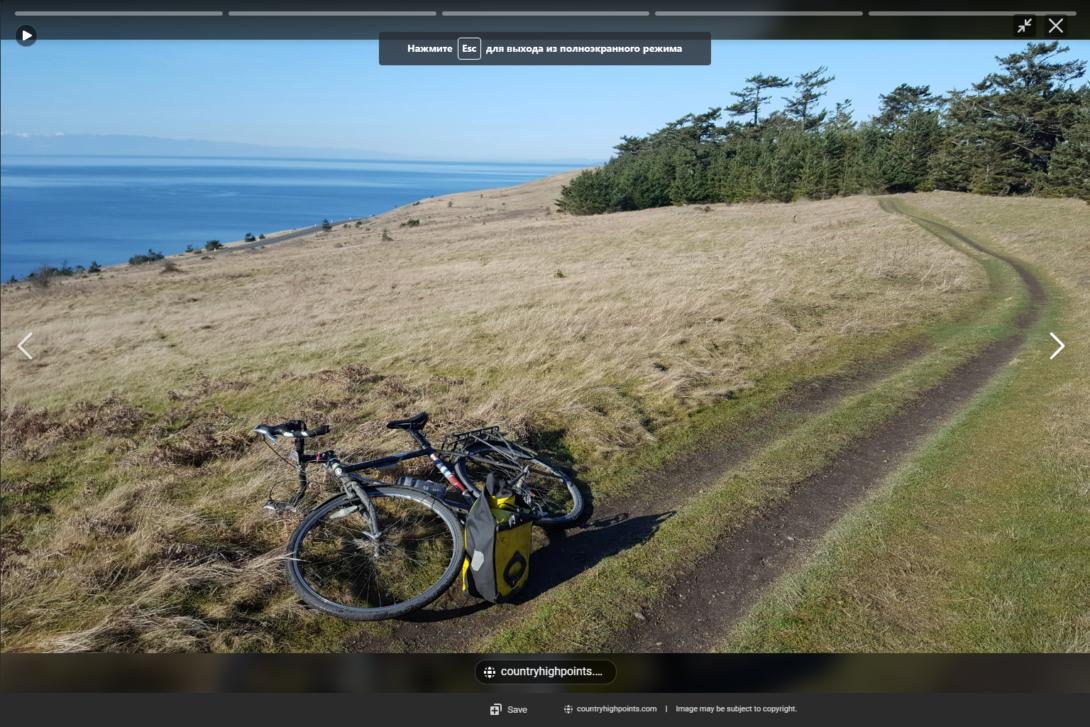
[(978, 545)]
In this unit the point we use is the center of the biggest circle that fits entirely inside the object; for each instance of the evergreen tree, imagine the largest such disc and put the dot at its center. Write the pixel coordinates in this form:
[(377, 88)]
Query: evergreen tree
[(1021, 130), (801, 105), (1004, 132), (1069, 166), (901, 102), (749, 98), (631, 145), (909, 123)]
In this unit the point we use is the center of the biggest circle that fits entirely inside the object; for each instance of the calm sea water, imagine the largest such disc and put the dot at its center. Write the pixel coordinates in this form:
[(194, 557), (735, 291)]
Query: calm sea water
[(107, 209)]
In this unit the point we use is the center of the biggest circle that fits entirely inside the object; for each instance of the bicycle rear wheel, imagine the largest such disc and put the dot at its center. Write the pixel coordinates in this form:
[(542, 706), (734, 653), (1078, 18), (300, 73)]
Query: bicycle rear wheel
[(549, 487), (336, 566)]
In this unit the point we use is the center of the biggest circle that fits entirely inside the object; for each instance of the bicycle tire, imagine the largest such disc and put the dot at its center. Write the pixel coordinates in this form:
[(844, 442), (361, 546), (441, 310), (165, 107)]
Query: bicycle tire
[(332, 565), (555, 490)]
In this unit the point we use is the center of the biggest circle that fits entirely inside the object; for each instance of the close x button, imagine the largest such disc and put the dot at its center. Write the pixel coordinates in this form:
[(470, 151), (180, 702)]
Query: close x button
[(1056, 25)]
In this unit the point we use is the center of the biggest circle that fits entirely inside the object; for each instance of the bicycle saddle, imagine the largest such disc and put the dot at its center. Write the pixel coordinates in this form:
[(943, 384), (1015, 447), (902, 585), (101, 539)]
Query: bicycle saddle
[(412, 423)]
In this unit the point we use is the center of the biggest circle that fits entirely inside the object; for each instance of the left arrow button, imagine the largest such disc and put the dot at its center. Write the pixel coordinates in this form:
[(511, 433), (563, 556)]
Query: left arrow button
[(25, 339)]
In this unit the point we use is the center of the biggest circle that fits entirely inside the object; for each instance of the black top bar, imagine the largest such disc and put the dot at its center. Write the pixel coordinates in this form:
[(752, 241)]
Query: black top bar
[(366, 19)]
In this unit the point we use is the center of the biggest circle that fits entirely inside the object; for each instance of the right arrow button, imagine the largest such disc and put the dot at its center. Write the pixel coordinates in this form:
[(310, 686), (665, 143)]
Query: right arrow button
[(1058, 349)]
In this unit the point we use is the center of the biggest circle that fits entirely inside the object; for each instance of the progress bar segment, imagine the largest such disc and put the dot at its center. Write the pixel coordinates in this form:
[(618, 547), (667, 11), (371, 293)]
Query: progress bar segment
[(118, 13), (759, 13)]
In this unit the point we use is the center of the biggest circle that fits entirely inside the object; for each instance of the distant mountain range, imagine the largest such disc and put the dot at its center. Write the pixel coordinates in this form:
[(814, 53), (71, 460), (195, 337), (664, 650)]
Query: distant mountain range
[(124, 145)]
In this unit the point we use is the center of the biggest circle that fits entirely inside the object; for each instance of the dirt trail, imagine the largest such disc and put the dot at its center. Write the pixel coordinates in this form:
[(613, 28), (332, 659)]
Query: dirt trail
[(724, 587)]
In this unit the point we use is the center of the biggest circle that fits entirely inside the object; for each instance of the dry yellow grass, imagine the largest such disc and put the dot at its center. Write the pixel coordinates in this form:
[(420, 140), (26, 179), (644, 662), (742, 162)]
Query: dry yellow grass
[(493, 310), (667, 304)]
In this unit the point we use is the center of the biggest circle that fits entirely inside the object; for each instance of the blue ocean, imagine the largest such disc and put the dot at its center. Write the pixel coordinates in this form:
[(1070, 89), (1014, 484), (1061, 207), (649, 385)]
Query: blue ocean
[(55, 209)]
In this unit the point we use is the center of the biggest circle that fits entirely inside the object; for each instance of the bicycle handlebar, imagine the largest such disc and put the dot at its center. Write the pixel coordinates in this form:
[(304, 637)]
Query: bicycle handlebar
[(295, 429)]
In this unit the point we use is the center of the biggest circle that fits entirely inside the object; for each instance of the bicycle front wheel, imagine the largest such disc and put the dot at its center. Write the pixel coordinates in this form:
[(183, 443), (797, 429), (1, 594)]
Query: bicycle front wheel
[(341, 568), (548, 486)]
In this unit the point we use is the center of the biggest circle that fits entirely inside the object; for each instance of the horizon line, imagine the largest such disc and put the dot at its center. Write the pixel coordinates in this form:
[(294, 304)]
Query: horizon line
[(414, 160)]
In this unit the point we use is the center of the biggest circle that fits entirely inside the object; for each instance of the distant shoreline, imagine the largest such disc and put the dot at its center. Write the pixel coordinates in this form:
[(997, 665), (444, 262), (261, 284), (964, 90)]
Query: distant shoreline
[(109, 213)]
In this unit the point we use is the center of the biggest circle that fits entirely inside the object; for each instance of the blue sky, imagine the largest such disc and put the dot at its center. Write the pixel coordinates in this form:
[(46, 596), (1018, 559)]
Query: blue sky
[(334, 93)]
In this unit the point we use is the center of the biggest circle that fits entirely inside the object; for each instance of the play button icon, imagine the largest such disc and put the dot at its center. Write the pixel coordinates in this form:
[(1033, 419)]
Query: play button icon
[(26, 35)]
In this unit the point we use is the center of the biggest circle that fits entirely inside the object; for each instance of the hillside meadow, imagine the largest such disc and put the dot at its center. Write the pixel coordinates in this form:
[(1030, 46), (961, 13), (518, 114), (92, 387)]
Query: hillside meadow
[(132, 482)]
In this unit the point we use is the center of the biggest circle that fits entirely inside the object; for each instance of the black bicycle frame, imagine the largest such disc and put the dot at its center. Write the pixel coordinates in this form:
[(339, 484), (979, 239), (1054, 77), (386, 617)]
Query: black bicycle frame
[(426, 450), (385, 462)]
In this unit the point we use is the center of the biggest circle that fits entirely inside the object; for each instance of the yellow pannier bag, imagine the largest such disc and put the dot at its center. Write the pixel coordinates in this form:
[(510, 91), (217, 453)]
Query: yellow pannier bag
[(497, 538)]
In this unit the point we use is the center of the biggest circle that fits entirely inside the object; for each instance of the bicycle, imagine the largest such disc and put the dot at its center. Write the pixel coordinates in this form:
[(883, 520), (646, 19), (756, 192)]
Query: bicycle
[(380, 550)]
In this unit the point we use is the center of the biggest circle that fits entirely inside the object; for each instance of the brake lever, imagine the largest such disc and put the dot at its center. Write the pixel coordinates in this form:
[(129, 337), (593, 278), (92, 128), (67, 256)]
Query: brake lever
[(264, 430)]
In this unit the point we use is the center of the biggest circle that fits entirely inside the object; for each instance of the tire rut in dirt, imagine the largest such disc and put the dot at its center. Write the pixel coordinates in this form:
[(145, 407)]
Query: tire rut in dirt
[(723, 587), (1037, 294)]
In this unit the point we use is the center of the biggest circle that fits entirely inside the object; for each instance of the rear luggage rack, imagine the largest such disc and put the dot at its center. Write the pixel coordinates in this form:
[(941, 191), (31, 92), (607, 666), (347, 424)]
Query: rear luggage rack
[(458, 442)]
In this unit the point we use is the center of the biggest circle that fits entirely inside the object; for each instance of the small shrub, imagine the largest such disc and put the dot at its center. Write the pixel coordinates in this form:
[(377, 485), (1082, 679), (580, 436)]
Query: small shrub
[(150, 257), (212, 245), (386, 235), (416, 203), (353, 378), (40, 277), (190, 248), (170, 267), (450, 203), (261, 237), (411, 223), (94, 268), (45, 273), (559, 274), (327, 225), (198, 448)]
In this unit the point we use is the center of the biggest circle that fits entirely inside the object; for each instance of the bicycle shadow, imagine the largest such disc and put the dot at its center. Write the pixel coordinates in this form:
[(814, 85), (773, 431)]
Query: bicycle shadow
[(568, 554), (434, 614), (564, 557)]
